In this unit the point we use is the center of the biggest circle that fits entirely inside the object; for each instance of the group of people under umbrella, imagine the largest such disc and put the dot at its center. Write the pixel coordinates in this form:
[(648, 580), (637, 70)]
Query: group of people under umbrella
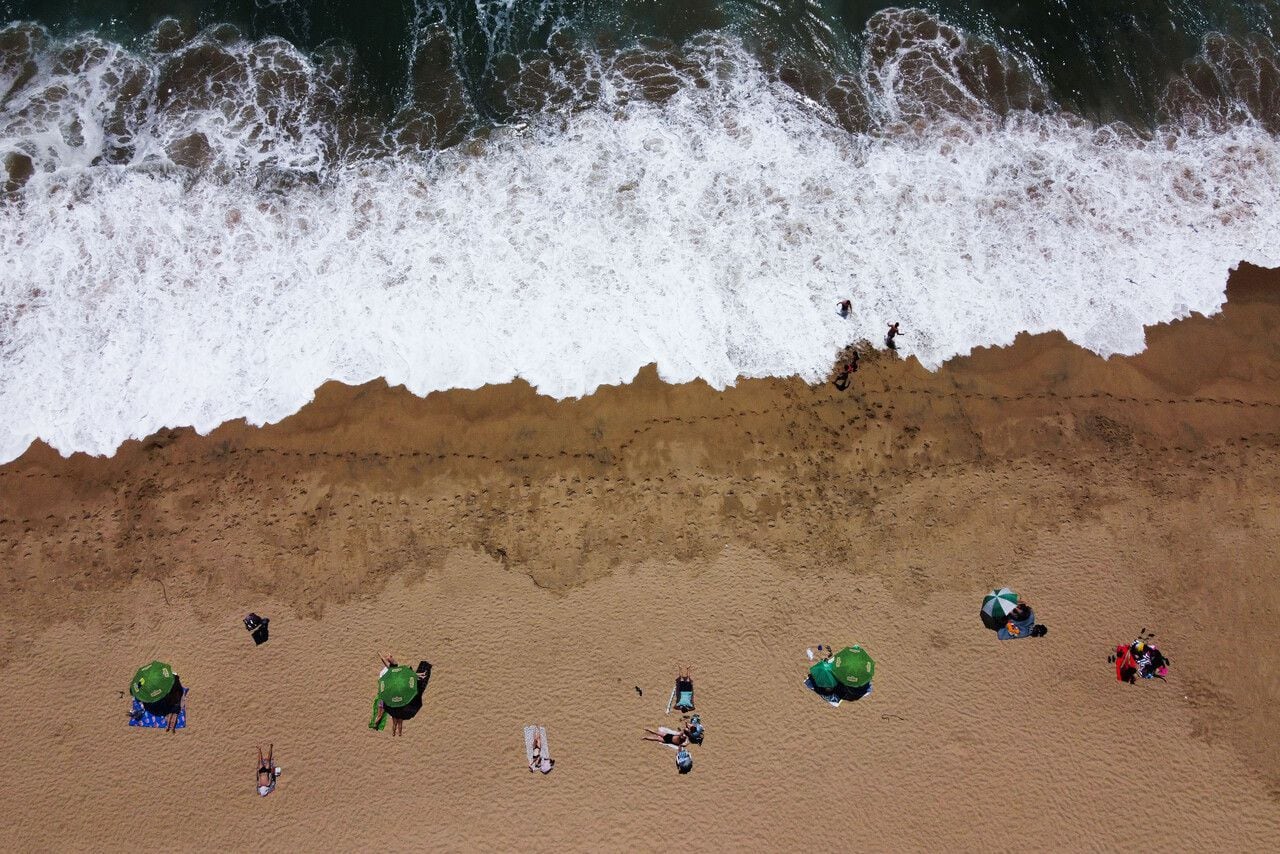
[(1009, 617), (399, 693), (843, 675), (159, 700)]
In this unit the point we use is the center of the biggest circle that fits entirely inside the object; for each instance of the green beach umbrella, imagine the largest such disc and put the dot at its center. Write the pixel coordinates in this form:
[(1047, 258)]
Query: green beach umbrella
[(998, 603), (823, 678), (398, 686), (853, 667), (152, 683)]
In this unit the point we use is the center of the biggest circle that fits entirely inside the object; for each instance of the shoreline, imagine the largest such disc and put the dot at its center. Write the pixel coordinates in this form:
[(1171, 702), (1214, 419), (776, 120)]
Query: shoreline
[(1247, 285), (651, 524)]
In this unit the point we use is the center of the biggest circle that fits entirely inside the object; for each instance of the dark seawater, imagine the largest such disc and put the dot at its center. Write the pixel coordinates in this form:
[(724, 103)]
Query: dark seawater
[(207, 209), (1102, 59)]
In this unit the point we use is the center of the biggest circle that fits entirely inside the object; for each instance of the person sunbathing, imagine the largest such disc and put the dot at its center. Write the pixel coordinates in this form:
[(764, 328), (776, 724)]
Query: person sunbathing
[(540, 761), (684, 690), (267, 771), (171, 706), (674, 737)]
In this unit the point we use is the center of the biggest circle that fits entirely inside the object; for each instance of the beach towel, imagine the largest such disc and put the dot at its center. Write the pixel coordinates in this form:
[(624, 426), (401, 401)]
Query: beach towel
[(529, 733), (840, 695), (830, 699), (138, 716), (682, 696), (1126, 664), (374, 723)]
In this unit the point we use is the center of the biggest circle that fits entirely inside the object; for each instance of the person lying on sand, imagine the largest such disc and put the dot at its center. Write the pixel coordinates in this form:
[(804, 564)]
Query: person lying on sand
[(178, 704), (540, 762), (388, 661), (675, 737), (267, 771), (684, 689)]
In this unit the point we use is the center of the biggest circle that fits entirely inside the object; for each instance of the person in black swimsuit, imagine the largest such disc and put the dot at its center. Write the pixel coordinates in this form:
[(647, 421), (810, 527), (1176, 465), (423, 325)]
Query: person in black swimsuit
[(267, 771), (679, 738), (540, 762)]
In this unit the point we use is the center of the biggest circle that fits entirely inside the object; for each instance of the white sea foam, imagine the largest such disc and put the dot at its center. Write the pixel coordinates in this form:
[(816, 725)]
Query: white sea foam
[(712, 234)]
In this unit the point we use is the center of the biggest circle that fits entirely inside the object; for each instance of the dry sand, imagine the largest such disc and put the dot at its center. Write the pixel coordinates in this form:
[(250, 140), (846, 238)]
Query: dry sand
[(548, 558)]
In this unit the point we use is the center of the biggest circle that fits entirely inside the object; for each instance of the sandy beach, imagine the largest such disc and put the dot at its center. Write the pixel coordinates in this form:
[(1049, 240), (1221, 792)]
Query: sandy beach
[(556, 561)]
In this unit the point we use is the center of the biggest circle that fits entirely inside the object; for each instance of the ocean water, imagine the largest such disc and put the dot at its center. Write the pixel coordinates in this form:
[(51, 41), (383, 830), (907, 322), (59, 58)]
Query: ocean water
[(209, 209)]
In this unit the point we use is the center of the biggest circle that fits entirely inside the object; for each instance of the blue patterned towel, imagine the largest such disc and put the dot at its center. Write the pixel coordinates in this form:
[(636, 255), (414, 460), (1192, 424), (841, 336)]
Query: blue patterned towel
[(141, 717)]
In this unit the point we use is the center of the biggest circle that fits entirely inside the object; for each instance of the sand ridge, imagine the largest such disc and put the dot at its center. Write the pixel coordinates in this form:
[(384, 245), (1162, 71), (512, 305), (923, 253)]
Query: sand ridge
[(548, 557)]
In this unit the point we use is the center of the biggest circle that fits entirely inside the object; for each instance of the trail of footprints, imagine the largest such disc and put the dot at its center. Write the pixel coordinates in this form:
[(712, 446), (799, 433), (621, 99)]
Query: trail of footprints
[(657, 423), (807, 483)]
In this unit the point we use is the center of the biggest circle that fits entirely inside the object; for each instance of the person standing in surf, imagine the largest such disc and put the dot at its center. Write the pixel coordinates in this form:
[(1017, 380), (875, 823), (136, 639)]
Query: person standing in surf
[(893, 333), (846, 307)]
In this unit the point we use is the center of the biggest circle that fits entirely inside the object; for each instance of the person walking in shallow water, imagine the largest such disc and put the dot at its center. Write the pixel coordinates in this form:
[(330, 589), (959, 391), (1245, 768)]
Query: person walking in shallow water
[(892, 333), (846, 307)]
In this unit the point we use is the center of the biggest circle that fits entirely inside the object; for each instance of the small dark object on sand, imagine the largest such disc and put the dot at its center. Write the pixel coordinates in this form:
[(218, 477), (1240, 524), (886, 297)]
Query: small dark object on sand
[(258, 628)]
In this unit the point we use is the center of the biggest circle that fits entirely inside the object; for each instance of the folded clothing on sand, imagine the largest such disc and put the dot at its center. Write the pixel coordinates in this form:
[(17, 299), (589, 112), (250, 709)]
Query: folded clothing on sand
[(139, 716)]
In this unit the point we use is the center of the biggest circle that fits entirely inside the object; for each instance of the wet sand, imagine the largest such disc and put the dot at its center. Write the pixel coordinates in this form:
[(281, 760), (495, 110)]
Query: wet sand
[(549, 558)]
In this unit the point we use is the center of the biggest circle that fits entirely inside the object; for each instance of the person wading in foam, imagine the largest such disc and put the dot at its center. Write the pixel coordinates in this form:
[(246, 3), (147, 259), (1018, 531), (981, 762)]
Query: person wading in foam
[(846, 307), (893, 333)]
